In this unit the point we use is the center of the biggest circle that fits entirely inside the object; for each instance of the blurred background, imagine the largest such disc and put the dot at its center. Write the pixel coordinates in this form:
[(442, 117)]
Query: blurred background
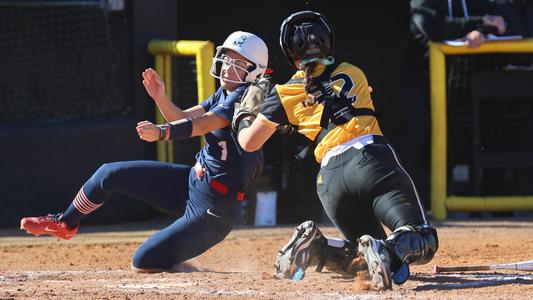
[(71, 95)]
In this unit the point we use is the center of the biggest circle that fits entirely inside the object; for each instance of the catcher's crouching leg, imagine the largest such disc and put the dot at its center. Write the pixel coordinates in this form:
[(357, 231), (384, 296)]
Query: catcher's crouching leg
[(411, 245), (301, 251), (308, 247), (414, 244), (342, 259)]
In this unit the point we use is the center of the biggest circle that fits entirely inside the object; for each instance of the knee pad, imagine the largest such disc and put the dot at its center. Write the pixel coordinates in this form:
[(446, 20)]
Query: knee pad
[(414, 244)]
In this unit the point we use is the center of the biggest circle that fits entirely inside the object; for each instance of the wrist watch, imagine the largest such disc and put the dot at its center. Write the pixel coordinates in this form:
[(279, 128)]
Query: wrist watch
[(164, 132)]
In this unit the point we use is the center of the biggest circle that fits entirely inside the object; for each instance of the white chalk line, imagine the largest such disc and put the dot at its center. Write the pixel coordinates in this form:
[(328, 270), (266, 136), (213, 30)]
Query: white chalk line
[(164, 286)]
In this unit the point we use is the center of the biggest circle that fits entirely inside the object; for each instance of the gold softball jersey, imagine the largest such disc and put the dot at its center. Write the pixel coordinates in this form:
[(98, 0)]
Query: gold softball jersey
[(286, 105)]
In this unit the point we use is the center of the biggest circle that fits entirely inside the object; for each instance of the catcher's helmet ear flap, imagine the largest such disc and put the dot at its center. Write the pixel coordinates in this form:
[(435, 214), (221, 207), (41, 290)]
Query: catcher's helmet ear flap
[(304, 35), (249, 45)]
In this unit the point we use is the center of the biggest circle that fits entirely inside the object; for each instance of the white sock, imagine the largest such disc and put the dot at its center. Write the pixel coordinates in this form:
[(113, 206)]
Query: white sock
[(335, 242)]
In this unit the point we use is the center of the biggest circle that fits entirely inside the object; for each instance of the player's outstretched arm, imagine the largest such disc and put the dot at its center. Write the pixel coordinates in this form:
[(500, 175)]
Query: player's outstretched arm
[(208, 122), (148, 131), (155, 87), (252, 138), (181, 129)]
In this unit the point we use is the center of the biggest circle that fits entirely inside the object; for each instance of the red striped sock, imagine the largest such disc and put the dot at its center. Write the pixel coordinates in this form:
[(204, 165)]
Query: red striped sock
[(83, 204)]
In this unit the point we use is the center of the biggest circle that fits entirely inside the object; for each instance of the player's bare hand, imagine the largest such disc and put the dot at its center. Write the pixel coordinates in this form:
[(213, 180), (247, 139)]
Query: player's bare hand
[(148, 131), (474, 39), (495, 21), (155, 87)]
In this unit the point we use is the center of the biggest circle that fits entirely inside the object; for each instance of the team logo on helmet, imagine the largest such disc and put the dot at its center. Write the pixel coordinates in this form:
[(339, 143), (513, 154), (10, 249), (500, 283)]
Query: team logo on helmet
[(240, 41)]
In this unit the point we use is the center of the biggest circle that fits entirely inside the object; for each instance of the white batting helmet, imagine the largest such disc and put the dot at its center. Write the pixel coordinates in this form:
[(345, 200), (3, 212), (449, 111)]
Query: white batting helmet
[(249, 45)]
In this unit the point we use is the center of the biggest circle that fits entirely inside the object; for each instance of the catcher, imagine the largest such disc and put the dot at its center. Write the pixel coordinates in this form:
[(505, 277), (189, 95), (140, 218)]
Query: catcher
[(361, 183)]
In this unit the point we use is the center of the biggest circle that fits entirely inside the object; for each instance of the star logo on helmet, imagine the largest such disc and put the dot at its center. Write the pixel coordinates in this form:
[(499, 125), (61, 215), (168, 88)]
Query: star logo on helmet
[(240, 41)]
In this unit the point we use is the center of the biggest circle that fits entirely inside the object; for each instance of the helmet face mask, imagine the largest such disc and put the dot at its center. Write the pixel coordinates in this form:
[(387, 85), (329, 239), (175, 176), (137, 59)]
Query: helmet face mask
[(225, 62), (249, 46), (306, 35)]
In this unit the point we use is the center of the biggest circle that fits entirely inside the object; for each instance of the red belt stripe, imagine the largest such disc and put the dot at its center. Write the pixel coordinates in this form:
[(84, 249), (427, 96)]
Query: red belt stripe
[(215, 184)]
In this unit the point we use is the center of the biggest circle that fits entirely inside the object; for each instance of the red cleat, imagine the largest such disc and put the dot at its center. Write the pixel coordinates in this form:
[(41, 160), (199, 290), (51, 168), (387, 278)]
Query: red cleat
[(50, 224)]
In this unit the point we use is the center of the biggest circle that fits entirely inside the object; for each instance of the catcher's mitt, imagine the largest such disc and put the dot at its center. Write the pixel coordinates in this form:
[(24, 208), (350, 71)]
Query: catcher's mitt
[(251, 101)]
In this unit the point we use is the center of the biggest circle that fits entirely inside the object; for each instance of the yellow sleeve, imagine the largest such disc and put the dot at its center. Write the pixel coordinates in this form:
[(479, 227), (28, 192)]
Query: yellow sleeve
[(266, 121)]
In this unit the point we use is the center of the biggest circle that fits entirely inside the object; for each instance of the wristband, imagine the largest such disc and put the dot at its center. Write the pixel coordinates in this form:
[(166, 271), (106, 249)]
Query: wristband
[(180, 130)]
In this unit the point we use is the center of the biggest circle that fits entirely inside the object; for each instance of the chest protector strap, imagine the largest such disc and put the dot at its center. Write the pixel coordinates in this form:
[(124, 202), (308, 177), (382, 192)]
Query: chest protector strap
[(339, 109)]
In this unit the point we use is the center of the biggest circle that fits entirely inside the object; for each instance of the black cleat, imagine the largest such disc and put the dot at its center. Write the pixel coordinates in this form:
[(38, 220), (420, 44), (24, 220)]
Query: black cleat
[(300, 252), (378, 260)]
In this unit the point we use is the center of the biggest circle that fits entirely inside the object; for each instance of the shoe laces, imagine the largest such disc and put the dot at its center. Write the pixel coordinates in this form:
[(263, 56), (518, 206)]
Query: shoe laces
[(56, 218)]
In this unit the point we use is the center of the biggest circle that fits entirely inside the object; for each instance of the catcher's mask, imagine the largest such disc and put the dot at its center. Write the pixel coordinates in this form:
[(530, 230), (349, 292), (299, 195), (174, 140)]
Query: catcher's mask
[(249, 46), (306, 36)]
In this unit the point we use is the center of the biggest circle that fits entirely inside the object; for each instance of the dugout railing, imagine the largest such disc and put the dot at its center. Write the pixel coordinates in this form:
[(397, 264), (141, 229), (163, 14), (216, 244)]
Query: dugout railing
[(443, 196), (163, 51)]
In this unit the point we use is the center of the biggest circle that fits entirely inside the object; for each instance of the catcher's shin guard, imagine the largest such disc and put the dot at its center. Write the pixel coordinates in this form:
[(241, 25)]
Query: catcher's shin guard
[(414, 244)]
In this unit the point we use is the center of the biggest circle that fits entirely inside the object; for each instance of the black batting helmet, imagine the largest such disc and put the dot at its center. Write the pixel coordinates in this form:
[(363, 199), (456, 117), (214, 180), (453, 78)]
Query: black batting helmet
[(306, 35)]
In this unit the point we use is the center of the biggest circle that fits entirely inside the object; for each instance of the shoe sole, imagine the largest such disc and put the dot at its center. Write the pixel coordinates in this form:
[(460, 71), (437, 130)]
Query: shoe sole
[(66, 237), (299, 272), (379, 273), (22, 228), (28, 232)]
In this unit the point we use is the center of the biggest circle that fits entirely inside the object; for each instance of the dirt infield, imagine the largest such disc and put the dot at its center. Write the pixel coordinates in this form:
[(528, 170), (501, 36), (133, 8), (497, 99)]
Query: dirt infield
[(96, 265)]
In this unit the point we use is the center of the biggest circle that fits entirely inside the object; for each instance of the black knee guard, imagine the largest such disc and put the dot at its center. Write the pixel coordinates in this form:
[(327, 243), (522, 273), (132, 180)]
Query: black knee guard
[(341, 260), (414, 244)]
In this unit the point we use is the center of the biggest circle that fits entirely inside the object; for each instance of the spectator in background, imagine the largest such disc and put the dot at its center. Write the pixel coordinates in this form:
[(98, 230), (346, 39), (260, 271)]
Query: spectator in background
[(518, 16), (432, 20), (439, 20)]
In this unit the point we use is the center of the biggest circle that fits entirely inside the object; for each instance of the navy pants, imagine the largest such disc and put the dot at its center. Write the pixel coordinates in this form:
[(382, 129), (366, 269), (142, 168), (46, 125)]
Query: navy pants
[(206, 219)]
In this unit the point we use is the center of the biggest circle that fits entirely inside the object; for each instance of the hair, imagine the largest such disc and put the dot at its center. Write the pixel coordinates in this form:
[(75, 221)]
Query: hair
[(309, 83)]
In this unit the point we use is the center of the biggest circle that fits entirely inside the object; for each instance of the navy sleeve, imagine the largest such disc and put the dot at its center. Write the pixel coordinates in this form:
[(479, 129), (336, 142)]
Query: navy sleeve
[(226, 105), (273, 110), (208, 103)]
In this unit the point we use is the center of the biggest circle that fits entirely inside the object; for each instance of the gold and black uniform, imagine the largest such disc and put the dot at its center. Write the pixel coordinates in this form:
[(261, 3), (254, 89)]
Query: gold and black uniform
[(361, 183), (286, 106)]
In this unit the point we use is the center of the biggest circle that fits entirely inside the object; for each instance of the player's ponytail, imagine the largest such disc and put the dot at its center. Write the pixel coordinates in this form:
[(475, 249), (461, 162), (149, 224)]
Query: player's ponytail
[(309, 82)]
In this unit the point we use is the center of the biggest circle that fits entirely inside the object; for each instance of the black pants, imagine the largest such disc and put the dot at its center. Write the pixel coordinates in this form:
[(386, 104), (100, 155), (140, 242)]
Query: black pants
[(362, 188)]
